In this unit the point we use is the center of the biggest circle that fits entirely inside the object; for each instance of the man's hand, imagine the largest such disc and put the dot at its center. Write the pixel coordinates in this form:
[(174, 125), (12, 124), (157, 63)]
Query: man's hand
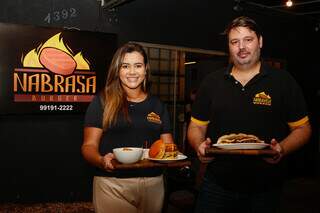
[(196, 138), (201, 151), (277, 147)]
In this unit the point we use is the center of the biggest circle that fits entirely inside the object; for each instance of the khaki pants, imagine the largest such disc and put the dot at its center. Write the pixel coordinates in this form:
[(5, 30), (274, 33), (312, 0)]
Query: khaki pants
[(128, 195)]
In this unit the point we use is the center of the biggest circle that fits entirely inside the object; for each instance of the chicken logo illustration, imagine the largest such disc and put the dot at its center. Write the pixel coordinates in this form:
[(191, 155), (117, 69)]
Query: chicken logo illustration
[(53, 73), (262, 99)]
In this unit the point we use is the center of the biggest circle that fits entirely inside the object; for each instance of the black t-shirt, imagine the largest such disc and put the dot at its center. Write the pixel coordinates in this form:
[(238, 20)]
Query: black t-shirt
[(148, 120), (266, 106)]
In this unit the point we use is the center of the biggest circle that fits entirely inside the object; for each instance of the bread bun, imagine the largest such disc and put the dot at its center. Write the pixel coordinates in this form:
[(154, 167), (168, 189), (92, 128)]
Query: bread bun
[(171, 151), (157, 149), (161, 150), (238, 138)]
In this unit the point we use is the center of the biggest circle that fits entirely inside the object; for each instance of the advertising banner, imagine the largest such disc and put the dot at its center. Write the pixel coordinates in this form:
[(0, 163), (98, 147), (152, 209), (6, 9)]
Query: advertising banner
[(49, 70)]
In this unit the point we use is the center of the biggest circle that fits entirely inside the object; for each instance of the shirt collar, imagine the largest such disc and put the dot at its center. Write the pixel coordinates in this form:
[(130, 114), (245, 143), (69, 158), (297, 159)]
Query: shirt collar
[(262, 72), (227, 72), (264, 68)]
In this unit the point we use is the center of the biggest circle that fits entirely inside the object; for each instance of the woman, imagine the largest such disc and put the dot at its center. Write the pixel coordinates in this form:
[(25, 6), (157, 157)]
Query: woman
[(124, 114)]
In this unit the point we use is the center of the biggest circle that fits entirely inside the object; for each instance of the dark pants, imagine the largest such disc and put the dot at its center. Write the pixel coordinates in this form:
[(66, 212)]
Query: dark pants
[(214, 199)]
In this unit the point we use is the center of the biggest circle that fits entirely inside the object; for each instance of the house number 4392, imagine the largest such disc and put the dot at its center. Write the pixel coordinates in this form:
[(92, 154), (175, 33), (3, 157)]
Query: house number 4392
[(63, 14)]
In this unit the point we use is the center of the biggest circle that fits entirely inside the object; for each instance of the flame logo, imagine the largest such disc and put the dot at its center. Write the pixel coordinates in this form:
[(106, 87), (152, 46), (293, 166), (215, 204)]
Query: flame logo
[(262, 95), (56, 57), (262, 99)]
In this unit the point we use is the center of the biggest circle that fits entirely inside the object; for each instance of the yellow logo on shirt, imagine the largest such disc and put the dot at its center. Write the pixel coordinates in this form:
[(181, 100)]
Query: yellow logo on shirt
[(154, 118), (262, 99)]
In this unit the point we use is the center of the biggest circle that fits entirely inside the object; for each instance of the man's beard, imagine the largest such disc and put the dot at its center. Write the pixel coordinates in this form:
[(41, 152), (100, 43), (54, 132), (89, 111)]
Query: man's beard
[(247, 61)]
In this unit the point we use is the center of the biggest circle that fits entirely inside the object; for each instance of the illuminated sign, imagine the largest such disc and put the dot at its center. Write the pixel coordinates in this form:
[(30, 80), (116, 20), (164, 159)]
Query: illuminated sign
[(51, 70), (52, 73)]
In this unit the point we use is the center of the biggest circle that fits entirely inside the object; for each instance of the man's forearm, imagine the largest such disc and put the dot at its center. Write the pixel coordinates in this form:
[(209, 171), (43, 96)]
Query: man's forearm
[(296, 139), (196, 135)]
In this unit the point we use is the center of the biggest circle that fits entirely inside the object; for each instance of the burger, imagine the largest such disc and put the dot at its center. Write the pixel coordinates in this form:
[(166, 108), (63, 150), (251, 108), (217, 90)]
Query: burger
[(161, 150), (238, 138)]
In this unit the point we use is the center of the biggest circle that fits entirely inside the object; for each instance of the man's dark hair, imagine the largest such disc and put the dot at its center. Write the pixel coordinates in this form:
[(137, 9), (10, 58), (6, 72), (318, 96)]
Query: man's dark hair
[(243, 21)]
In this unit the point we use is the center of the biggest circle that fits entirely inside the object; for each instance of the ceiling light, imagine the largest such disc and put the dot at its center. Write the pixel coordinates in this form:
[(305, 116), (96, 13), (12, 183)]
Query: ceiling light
[(289, 3)]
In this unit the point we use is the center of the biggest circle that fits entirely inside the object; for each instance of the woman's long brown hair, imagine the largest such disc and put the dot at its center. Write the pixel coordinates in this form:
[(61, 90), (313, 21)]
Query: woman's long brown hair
[(114, 97)]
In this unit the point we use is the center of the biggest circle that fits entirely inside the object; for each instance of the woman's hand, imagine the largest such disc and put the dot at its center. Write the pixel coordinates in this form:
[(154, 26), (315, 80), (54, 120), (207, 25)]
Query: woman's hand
[(277, 147), (201, 151), (106, 162)]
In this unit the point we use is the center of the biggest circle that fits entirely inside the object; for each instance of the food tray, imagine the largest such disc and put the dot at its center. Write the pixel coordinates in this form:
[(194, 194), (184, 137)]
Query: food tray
[(217, 151), (142, 164)]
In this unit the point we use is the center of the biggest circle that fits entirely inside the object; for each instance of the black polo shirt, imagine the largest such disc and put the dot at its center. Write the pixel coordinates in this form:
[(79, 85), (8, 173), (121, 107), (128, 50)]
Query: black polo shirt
[(266, 106), (148, 120)]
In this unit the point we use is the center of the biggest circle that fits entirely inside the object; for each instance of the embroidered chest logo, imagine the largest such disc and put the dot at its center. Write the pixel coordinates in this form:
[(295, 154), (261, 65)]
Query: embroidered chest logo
[(262, 99), (154, 118)]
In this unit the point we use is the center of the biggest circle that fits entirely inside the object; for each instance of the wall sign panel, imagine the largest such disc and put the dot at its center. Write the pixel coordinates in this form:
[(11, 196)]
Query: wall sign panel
[(49, 70)]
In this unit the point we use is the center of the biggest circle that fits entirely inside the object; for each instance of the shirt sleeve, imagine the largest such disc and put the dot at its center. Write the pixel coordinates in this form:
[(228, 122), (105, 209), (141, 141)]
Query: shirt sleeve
[(200, 112), (296, 112), (94, 113)]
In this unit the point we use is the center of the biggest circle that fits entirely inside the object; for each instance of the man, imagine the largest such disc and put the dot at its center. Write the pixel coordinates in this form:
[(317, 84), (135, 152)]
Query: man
[(231, 101)]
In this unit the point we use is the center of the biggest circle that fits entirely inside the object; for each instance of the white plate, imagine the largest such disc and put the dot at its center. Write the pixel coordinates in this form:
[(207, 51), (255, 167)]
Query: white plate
[(241, 145), (179, 157)]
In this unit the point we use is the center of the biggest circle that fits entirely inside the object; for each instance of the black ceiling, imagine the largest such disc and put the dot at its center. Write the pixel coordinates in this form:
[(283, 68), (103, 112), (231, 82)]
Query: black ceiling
[(308, 9)]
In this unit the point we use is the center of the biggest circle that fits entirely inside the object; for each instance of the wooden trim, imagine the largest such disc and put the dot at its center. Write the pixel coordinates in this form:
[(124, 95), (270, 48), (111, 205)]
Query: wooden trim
[(179, 48)]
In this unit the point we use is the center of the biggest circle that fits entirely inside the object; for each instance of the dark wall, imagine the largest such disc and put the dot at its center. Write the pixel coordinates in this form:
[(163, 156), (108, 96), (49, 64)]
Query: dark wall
[(40, 158), (40, 155)]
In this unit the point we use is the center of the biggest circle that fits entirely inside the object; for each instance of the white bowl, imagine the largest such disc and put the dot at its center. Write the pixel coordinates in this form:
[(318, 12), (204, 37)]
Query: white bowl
[(128, 155)]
